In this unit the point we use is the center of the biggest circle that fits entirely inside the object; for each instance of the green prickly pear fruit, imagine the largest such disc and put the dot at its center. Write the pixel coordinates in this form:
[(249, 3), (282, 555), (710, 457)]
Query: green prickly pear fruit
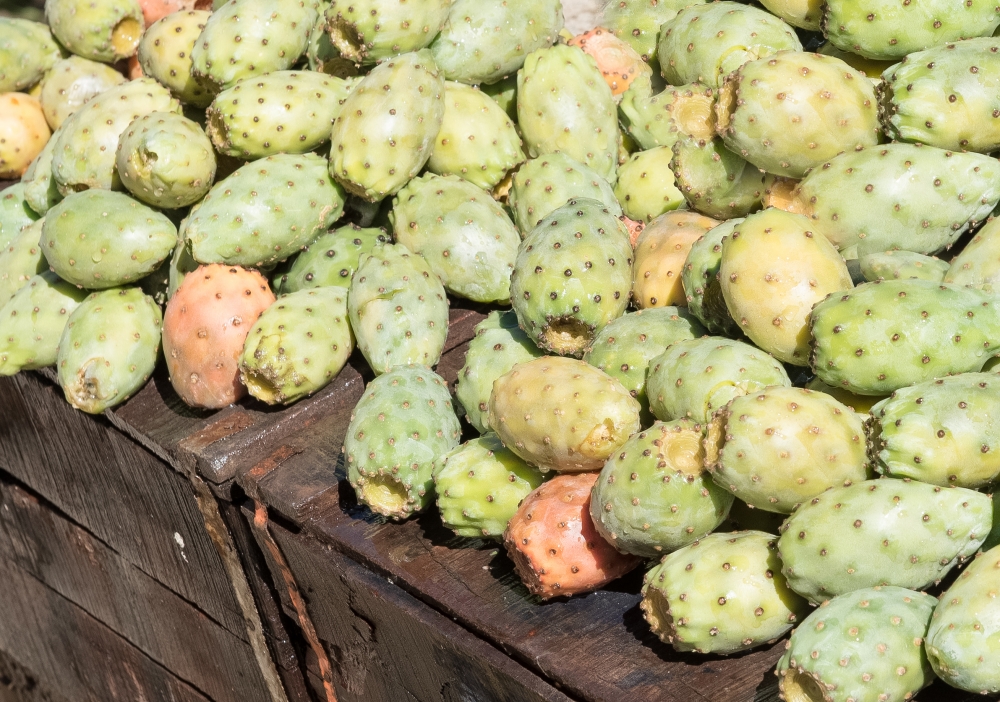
[(165, 54), (386, 128), (462, 232), (859, 403), (477, 141), (714, 180), (27, 52), (881, 532), (265, 211), (556, 549), (902, 265), (101, 30), (883, 29), (32, 322), (485, 42), (166, 160), (886, 335), (72, 82), (771, 295), (544, 184), (298, 345), (331, 259), (742, 517), (646, 187), (777, 448), (978, 264), (705, 43), (863, 646), (479, 486), (700, 279), (653, 496), (369, 31), (109, 348), (638, 22), (940, 431), (390, 463), (660, 253), (562, 414), (15, 213), (560, 95), (696, 378), (40, 190), (661, 119), (804, 14), (498, 346), (99, 239), (625, 347), (245, 38), (179, 266), (873, 68), (504, 94), (21, 260), (572, 276), (722, 594), (793, 111), (398, 309)]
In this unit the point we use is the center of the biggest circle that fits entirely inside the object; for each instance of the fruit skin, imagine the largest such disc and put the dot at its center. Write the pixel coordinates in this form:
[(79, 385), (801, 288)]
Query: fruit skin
[(205, 325), (620, 64), (32, 322), (793, 111), (398, 309), (23, 133), (562, 414), (385, 131), (165, 160), (917, 330), (653, 496), (555, 547), (298, 345), (940, 431), (498, 345), (646, 187), (714, 180), (479, 486), (638, 22), (722, 594), (155, 10), (660, 253), (777, 448), (881, 532), (661, 119), (860, 646), (265, 211), (71, 82), (486, 42), (696, 378), (562, 95), (978, 264), (961, 641), (402, 425), (700, 279), (705, 43), (109, 348), (21, 260), (464, 235), (572, 276), (165, 54), (101, 30), (15, 213), (38, 186), (775, 266), (477, 140), (902, 265), (331, 259), (27, 52), (368, 31), (245, 38), (859, 403), (804, 14)]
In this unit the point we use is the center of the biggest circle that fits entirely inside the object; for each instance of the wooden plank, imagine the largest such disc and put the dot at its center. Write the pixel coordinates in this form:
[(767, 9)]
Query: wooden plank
[(18, 684)]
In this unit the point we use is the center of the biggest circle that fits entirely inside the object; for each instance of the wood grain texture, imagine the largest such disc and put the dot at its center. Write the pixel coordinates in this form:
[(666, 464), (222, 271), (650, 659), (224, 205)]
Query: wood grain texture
[(18, 684)]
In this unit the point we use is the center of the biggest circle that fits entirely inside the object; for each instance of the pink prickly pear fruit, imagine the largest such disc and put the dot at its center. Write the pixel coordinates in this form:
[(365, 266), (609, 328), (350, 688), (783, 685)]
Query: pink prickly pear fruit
[(619, 63), (153, 10), (204, 328), (634, 229), (554, 544)]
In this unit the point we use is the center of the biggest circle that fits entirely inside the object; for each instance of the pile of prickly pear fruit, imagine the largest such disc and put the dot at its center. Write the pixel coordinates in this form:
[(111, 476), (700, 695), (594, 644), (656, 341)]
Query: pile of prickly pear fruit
[(743, 282)]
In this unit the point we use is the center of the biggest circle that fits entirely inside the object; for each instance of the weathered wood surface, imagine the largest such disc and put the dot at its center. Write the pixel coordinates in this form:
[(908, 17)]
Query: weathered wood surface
[(19, 684)]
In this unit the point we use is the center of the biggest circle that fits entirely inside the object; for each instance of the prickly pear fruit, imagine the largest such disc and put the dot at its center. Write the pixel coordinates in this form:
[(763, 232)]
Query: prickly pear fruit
[(804, 14), (978, 264), (15, 213), (32, 322), (530, 404), (204, 329), (859, 403), (902, 265), (331, 259), (402, 425), (619, 63), (398, 309), (109, 348), (544, 184), (368, 31), (23, 133), (705, 43), (71, 82), (375, 151), (638, 22), (722, 594), (486, 42), (561, 94), (660, 253), (101, 30), (661, 119), (165, 54), (572, 276), (777, 448), (646, 187), (504, 94), (700, 279), (265, 211), (881, 532), (742, 517), (464, 235), (27, 53), (179, 265), (554, 544), (21, 260), (155, 10), (714, 180), (653, 495), (479, 486), (862, 646), (499, 345), (696, 378), (886, 335), (324, 57), (793, 111)]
